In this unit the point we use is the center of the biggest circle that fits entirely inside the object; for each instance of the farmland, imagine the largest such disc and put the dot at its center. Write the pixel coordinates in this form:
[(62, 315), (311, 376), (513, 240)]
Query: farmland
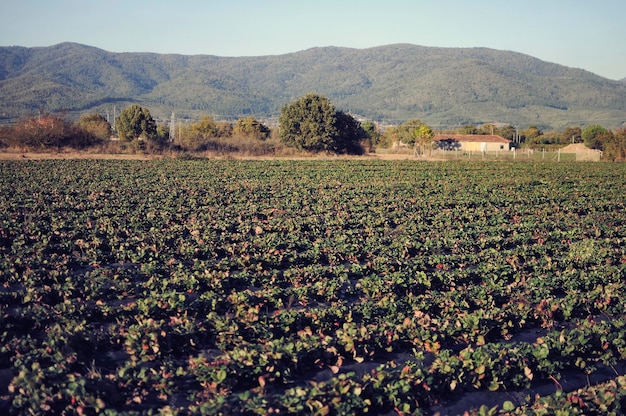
[(311, 287)]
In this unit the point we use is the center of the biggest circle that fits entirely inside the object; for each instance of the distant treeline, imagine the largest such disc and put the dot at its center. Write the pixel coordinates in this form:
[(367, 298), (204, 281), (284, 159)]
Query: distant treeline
[(136, 130)]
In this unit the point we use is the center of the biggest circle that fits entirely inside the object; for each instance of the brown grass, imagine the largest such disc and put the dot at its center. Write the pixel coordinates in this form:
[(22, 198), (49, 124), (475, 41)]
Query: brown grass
[(246, 150), (73, 154)]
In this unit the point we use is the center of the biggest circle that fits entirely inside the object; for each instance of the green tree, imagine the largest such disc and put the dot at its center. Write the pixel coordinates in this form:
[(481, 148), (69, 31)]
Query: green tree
[(135, 122), (163, 132), (404, 132), (423, 136), (469, 129), (548, 138), (96, 125), (530, 135), (372, 133), (350, 134), (251, 127), (311, 123), (413, 132), (488, 128), (593, 136), (508, 132), (308, 123)]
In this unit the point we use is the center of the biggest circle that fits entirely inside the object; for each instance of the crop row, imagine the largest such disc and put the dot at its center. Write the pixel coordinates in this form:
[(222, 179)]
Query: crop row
[(304, 287)]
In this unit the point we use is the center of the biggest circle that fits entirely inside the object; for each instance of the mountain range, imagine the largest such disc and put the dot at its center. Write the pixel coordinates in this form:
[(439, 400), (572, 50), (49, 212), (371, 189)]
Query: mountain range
[(444, 87)]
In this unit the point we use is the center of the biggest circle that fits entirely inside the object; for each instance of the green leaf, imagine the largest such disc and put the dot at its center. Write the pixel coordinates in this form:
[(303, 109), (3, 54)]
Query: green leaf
[(508, 406)]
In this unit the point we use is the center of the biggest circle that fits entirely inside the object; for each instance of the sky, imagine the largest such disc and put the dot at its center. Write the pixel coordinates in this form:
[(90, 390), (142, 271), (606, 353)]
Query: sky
[(587, 34)]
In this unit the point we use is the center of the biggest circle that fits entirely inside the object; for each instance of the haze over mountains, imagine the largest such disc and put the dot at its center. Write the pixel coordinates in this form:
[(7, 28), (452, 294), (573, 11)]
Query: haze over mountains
[(445, 87)]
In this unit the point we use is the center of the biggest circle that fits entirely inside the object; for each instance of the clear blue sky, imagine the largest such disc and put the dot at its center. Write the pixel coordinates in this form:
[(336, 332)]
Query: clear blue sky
[(588, 34)]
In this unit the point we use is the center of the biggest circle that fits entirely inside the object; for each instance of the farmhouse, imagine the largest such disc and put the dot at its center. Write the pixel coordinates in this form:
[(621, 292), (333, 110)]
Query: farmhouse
[(472, 142)]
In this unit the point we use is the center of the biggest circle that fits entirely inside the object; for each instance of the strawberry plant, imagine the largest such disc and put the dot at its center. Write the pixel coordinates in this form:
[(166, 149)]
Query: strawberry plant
[(308, 287)]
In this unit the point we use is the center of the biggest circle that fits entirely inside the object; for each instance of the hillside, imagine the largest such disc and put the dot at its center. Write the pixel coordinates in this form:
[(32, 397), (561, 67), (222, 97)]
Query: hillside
[(445, 87)]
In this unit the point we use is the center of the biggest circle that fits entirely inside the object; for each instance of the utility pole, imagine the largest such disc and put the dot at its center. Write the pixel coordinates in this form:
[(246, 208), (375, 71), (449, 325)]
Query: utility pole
[(173, 128)]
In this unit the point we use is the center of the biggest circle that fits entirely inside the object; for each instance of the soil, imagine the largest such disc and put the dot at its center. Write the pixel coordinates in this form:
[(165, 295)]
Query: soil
[(71, 155), (16, 155)]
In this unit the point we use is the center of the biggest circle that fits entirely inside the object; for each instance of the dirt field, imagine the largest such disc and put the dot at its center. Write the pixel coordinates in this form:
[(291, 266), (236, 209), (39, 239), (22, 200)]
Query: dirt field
[(71, 155), (112, 156)]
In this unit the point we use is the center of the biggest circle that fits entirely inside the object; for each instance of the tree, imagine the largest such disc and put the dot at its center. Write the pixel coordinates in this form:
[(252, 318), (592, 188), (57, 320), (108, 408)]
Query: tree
[(404, 132), (413, 132), (531, 133), (372, 134), (163, 133), (224, 129), (96, 125), (615, 146), (251, 127), (135, 122), (311, 123), (205, 128), (308, 123), (508, 132), (571, 135), (350, 134), (45, 131), (548, 138), (469, 129), (487, 129), (423, 136), (592, 136)]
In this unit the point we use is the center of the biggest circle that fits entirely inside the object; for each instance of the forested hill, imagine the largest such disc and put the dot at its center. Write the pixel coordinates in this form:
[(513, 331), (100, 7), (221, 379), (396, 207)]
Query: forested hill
[(444, 87)]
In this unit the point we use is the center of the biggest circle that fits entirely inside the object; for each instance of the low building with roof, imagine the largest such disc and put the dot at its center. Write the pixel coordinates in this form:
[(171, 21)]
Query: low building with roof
[(472, 142), (582, 152)]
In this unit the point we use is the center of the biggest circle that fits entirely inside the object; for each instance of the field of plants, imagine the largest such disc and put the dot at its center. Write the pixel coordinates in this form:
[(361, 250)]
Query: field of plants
[(312, 287)]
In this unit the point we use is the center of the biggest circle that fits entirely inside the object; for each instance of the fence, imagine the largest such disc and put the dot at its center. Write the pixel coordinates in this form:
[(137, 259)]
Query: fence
[(513, 154)]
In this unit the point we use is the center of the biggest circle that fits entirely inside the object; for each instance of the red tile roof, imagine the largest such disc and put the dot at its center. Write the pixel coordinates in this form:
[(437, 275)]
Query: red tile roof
[(481, 138)]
